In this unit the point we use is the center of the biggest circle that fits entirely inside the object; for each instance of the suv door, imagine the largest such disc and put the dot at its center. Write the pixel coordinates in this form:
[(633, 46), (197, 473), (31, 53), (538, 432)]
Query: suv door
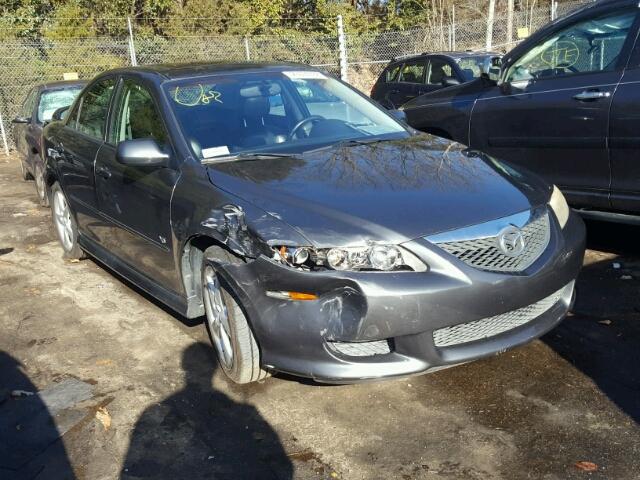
[(75, 146), (551, 112), (624, 139), (136, 200), (385, 84), (410, 80)]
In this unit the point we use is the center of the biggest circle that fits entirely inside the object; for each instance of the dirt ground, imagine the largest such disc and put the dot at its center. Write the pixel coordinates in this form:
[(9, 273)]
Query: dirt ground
[(126, 389)]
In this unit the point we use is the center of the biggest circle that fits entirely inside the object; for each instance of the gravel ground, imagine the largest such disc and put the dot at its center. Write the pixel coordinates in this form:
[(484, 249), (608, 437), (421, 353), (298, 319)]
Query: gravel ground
[(123, 388)]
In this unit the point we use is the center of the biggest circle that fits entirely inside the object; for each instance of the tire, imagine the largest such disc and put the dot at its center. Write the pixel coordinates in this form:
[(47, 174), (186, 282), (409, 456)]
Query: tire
[(41, 186), (65, 224), (24, 173), (227, 325)]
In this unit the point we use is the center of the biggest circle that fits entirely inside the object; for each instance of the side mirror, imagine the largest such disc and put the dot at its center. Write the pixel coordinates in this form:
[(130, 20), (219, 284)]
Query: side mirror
[(450, 81), (399, 115), (141, 152), (60, 113), (21, 120)]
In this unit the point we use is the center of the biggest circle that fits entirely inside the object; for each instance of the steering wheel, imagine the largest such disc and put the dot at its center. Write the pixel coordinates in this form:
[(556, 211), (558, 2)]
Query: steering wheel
[(301, 123)]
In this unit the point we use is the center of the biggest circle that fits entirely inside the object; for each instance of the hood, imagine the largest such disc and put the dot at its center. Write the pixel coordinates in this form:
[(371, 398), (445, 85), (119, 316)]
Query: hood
[(465, 92), (392, 191)]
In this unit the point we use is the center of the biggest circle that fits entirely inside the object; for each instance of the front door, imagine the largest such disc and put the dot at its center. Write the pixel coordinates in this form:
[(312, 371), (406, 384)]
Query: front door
[(551, 112), (136, 200), (624, 140)]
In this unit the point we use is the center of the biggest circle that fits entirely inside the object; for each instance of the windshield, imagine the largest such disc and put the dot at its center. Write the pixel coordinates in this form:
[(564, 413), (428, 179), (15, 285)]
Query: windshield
[(54, 99), (291, 111), (473, 67)]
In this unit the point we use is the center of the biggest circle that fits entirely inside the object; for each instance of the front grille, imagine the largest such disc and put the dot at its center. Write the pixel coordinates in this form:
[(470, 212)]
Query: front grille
[(484, 252), (361, 349), (488, 327)]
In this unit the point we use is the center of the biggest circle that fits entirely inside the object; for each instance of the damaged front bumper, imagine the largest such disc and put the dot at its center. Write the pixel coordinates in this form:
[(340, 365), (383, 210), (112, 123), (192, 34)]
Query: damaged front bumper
[(368, 325)]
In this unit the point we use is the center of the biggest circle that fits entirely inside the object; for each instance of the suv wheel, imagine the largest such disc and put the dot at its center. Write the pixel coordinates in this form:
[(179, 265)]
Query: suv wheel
[(65, 224), (226, 322)]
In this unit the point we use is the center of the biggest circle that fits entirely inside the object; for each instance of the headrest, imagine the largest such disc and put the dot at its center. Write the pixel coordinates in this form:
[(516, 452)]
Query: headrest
[(256, 107)]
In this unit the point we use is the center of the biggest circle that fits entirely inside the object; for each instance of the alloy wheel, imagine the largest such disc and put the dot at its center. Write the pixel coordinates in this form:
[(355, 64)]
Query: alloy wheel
[(217, 317), (62, 216)]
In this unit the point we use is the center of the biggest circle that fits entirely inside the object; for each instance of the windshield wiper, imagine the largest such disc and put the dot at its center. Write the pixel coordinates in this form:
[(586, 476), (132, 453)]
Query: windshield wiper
[(352, 142), (246, 156)]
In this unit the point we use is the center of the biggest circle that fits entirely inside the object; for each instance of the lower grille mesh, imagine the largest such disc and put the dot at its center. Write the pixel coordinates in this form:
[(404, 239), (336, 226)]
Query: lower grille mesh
[(361, 349), (488, 327)]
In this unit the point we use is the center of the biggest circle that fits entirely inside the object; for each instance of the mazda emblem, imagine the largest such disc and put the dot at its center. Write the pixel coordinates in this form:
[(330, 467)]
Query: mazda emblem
[(511, 241)]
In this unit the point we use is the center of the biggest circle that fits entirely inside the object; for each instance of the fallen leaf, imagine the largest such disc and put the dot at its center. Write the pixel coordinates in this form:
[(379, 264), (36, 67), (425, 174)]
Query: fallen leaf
[(104, 362), (605, 322), (74, 260), (586, 466), (103, 417)]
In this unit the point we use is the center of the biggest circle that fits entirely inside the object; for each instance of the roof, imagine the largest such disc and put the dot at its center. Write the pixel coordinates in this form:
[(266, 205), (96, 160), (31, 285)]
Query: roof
[(451, 54), (61, 84), (186, 70)]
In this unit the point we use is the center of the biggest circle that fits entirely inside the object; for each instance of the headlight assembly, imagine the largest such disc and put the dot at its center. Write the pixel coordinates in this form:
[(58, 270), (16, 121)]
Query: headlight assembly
[(371, 257), (559, 206)]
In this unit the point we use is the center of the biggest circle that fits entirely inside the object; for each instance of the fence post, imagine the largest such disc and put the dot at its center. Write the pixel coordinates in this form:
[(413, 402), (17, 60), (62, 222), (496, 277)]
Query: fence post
[(510, 21), (453, 27), (490, 17), (132, 48), (4, 135), (247, 53), (342, 48), (450, 36), (554, 9)]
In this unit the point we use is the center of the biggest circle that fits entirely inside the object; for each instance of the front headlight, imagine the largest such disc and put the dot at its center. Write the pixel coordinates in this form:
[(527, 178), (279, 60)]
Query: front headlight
[(559, 206), (371, 257)]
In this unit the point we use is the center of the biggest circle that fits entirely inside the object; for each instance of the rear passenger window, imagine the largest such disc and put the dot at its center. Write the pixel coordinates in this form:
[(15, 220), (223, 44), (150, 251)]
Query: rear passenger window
[(412, 72), (93, 109), (391, 74)]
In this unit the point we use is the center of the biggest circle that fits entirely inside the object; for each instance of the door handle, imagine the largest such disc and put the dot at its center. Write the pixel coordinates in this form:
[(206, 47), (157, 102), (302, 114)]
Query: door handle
[(591, 95), (103, 172)]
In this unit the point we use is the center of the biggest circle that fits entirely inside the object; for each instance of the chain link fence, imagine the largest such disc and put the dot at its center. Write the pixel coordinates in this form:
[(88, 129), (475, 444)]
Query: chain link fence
[(39, 59)]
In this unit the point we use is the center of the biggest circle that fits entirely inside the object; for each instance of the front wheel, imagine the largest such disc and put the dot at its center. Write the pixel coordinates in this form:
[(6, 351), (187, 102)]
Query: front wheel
[(65, 224), (41, 186), (229, 330)]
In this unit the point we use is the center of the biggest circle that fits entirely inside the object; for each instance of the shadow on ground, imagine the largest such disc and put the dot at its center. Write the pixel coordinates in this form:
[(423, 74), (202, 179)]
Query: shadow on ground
[(30, 443), (201, 433), (602, 337)]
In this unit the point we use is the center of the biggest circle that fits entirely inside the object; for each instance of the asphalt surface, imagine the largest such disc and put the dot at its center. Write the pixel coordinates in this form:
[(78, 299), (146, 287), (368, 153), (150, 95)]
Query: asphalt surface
[(98, 381)]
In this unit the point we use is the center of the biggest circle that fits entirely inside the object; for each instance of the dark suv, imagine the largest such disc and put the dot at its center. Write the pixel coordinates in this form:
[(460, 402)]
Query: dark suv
[(566, 106), (319, 235), (409, 76)]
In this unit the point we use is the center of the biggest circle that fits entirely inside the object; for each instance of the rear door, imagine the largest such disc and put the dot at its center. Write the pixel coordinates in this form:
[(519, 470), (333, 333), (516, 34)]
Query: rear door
[(551, 113), (76, 146), (410, 81), (136, 200), (624, 139)]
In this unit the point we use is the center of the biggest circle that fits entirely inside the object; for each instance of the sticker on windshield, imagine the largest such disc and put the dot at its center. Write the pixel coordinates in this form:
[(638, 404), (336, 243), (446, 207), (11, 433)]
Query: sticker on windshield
[(215, 151), (193, 95), (305, 75)]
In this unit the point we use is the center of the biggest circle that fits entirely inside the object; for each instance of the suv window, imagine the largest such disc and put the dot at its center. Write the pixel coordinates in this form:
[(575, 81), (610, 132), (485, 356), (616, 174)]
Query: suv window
[(93, 109), (412, 72), (438, 70), (137, 116), (588, 46), (391, 73)]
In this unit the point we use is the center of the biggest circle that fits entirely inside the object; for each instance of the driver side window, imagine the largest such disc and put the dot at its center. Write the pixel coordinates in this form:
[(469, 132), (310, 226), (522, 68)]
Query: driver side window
[(137, 116), (588, 46)]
